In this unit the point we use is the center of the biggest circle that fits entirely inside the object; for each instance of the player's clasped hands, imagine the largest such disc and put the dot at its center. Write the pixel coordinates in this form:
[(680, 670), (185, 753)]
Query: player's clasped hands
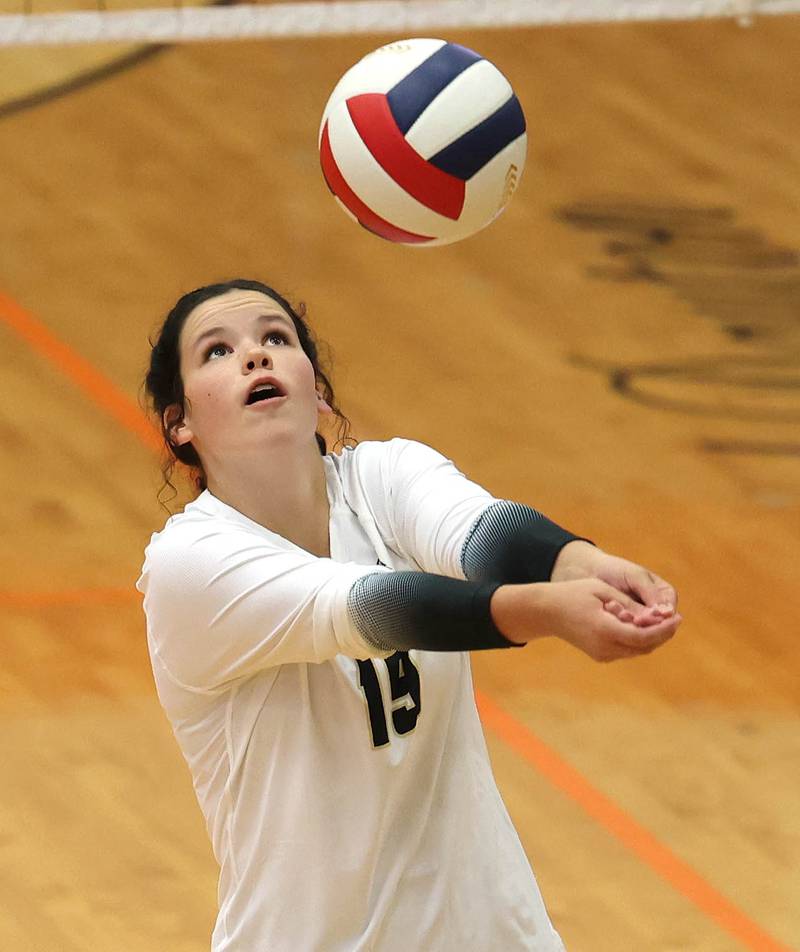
[(606, 606), (603, 622)]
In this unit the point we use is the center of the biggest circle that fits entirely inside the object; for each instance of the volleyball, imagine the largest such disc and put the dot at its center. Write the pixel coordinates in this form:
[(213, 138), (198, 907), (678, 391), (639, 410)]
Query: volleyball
[(423, 142)]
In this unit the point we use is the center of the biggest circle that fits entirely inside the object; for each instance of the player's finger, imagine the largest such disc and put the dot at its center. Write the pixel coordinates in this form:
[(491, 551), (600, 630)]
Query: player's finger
[(616, 608), (637, 614), (640, 638), (653, 591), (613, 599), (651, 615)]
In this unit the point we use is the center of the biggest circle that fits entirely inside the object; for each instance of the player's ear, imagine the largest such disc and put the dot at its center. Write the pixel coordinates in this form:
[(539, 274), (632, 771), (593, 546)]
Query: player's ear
[(322, 405), (178, 431)]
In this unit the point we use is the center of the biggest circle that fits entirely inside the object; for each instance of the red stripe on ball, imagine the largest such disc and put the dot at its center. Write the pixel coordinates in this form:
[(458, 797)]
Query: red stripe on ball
[(365, 215), (437, 190)]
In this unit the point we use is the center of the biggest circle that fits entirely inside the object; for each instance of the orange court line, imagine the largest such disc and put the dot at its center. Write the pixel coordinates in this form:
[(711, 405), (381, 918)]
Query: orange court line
[(519, 738), (635, 837), (95, 385)]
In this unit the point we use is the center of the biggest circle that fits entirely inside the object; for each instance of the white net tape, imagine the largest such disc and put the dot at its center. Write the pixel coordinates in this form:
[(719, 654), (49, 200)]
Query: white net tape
[(397, 17)]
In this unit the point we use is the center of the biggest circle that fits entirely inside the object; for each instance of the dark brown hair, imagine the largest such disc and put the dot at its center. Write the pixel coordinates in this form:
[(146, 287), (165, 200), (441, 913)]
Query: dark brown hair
[(163, 383)]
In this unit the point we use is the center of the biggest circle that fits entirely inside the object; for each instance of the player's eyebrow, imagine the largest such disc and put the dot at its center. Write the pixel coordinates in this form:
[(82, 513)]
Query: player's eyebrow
[(219, 331)]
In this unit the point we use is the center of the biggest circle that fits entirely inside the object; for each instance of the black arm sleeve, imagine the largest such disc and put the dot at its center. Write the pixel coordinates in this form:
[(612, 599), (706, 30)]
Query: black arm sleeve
[(511, 543), (404, 610)]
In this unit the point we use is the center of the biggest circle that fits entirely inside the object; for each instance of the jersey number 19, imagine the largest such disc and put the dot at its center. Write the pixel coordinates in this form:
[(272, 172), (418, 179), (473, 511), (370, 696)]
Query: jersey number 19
[(404, 681)]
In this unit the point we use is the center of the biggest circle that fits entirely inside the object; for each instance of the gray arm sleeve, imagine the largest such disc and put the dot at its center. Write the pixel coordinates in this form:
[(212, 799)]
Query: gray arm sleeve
[(511, 544), (404, 610)]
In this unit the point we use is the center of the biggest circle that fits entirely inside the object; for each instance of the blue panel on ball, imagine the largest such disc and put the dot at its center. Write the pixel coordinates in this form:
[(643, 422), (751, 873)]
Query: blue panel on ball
[(415, 92), (469, 153)]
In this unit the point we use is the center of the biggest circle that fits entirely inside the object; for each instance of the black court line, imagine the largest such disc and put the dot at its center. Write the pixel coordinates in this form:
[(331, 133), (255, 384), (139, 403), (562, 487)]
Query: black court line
[(90, 76), (750, 447), (80, 81)]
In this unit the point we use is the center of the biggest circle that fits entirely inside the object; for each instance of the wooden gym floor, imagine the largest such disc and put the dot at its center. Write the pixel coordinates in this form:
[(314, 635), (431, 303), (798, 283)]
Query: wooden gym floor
[(620, 349)]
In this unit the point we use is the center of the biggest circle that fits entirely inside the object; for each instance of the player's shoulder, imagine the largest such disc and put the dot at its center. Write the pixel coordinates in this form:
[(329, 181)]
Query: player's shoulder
[(371, 453), (200, 525), (198, 512), (378, 469)]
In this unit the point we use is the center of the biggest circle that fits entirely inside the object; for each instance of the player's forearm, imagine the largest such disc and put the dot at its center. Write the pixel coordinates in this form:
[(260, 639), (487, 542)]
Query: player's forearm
[(519, 612), (513, 543), (577, 559), (405, 610)]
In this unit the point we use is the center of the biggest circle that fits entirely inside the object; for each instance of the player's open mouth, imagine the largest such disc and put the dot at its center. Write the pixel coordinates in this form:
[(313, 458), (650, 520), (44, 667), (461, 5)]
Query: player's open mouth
[(264, 392)]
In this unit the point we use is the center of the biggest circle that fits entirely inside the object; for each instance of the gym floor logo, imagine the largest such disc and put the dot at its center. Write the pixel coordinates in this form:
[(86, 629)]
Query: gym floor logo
[(726, 273)]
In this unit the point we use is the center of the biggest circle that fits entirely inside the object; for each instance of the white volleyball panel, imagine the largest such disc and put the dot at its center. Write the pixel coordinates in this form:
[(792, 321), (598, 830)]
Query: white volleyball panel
[(375, 187), (380, 70), (469, 99), (490, 190)]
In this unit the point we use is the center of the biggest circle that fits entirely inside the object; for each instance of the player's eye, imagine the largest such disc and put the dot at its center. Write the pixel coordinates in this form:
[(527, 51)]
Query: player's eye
[(216, 350), (277, 335)]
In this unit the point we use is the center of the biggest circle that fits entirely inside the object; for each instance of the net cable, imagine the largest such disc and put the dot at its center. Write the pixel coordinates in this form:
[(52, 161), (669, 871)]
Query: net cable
[(346, 17)]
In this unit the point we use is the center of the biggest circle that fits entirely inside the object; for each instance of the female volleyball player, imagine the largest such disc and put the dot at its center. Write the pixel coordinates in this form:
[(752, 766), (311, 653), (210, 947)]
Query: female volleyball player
[(309, 618)]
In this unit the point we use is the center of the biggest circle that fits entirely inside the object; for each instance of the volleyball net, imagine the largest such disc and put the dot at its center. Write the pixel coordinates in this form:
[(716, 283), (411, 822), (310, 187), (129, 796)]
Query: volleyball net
[(62, 22)]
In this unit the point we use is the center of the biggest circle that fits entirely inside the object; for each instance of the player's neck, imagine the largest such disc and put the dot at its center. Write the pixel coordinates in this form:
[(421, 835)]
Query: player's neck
[(287, 495)]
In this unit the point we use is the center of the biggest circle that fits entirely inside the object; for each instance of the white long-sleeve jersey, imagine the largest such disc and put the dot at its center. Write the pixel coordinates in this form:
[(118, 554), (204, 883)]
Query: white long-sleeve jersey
[(350, 803)]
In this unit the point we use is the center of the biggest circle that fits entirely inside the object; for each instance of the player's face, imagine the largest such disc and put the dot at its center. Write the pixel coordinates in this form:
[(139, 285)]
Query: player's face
[(246, 378)]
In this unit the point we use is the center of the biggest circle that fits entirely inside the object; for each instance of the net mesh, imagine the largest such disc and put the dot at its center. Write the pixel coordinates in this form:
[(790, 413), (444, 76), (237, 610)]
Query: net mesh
[(48, 22)]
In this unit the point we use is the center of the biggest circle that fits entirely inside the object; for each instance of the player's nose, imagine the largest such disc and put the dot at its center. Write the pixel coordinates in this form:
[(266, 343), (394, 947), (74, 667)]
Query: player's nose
[(256, 358)]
